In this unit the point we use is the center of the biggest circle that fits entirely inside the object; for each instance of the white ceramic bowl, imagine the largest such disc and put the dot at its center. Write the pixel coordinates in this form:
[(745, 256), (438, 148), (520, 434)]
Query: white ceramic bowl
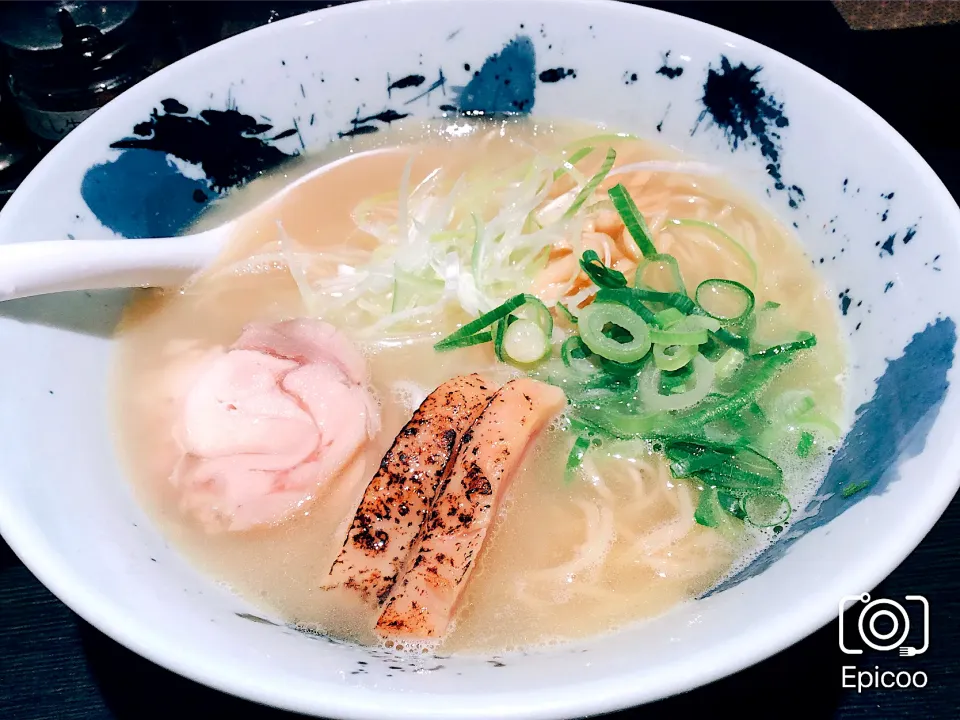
[(875, 219)]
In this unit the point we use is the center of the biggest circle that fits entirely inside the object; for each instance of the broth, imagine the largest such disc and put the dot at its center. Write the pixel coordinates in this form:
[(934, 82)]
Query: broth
[(565, 559)]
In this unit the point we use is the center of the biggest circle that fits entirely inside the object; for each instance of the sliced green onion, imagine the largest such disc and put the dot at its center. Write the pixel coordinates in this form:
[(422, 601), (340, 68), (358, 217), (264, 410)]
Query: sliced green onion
[(524, 339), (760, 508), (575, 458), (649, 385), (574, 354), (675, 336), (702, 321), (629, 297), (675, 300), (534, 309), (712, 349), (633, 219), (618, 386), (754, 378), (733, 438), (805, 444), (498, 335), (734, 480), (669, 316), (765, 509), (470, 334), (731, 340), (732, 503), (565, 311), (709, 512), (657, 267), (757, 412), (673, 382), (462, 342), (687, 459), (571, 161), (725, 300), (854, 488), (751, 420), (525, 342), (748, 326), (746, 470), (482, 322), (625, 426), (770, 305), (620, 370), (587, 190), (672, 357), (690, 222), (729, 363), (738, 422), (804, 340), (601, 275), (573, 349), (615, 332), (596, 316)]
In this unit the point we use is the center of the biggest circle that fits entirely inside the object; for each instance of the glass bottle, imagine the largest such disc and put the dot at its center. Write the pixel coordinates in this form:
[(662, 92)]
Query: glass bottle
[(67, 59)]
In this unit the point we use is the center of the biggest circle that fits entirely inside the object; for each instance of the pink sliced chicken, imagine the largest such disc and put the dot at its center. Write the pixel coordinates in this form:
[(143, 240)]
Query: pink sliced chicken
[(269, 424)]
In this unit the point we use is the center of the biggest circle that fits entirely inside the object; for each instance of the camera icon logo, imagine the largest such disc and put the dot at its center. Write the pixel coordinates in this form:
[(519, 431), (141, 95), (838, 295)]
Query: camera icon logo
[(891, 613)]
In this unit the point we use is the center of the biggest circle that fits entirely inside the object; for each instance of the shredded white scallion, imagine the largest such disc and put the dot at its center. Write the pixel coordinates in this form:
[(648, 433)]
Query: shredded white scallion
[(450, 243)]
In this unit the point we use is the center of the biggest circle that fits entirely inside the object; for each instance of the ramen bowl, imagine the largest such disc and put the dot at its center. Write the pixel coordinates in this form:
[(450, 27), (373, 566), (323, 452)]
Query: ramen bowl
[(873, 217)]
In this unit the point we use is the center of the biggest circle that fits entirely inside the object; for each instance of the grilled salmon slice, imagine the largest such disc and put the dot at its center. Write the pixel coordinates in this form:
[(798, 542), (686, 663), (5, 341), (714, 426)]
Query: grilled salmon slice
[(398, 498), (423, 601)]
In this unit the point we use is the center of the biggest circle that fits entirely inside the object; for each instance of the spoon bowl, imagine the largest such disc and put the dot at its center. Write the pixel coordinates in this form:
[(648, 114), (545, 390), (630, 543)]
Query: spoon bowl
[(42, 267), (54, 266)]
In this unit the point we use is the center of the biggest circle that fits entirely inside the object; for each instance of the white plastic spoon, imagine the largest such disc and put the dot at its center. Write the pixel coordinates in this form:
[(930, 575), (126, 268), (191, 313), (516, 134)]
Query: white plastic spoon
[(40, 268)]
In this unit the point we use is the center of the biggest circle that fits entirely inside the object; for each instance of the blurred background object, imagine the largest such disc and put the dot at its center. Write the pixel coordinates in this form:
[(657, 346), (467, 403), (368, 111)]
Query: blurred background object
[(245, 16), (18, 151), (64, 60), (880, 15), (61, 60)]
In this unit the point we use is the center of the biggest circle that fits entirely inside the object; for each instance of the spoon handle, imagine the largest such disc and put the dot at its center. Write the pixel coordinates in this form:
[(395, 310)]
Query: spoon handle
[(39, 268)]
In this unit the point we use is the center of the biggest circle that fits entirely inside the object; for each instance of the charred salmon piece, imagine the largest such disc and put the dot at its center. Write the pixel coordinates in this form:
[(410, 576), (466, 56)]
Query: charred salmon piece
[(399, 497), (423, 601)]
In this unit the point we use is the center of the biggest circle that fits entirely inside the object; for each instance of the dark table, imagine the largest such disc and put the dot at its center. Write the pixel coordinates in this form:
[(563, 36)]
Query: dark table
[(53, 665)]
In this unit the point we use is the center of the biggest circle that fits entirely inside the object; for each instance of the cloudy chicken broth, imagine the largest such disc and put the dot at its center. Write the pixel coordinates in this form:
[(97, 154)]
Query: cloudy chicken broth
[(678, 448)]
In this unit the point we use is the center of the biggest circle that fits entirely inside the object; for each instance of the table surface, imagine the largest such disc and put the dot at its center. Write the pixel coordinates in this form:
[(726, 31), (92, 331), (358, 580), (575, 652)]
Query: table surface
[(53, 665)]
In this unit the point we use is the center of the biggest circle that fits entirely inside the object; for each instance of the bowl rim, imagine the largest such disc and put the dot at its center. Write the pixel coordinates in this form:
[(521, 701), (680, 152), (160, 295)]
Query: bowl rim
[(614, 692)]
